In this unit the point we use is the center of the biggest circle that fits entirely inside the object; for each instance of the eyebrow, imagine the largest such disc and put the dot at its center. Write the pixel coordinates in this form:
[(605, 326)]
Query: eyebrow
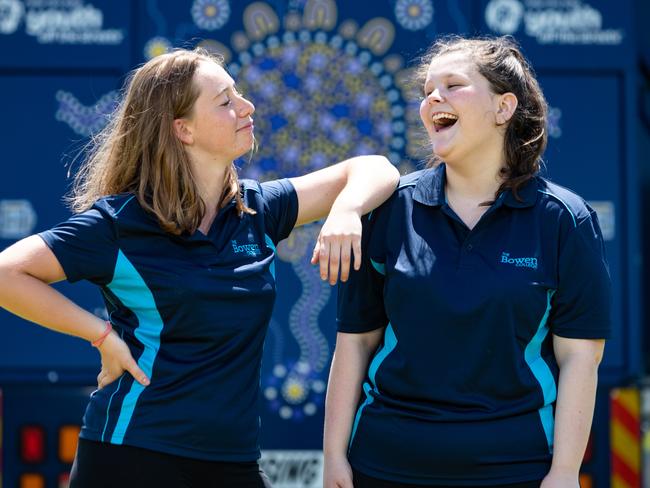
[(225, 89), (450, 74), (446, 76)]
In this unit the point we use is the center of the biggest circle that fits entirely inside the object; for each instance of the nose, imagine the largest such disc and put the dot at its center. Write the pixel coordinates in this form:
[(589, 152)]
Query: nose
[(435, 96), (246, 107)]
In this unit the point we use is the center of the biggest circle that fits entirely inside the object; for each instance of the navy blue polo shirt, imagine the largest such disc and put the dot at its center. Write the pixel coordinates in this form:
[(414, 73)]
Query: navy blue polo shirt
[(462, 389), (193, 310)]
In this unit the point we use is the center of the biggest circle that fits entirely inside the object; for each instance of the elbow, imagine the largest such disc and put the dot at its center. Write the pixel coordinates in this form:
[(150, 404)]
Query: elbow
[(6, 270), (7, 277)]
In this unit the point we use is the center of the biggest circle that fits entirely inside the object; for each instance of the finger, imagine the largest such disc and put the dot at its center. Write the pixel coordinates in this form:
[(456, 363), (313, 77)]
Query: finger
[(345, 260), (356, 249), (137, 373), (323, 259), (335, 261), (316, 252)]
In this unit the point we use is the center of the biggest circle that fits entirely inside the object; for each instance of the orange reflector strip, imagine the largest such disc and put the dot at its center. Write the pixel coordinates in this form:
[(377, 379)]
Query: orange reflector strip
[(68, 436), (625, 436), (586, 481), (30, 480)]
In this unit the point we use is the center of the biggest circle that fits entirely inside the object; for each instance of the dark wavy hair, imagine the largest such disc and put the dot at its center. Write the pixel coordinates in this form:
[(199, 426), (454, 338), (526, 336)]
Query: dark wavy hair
[(500, 61)]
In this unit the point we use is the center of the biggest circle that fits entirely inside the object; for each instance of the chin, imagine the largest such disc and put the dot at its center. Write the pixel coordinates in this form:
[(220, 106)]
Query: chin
[(245, 150), (442, 152)]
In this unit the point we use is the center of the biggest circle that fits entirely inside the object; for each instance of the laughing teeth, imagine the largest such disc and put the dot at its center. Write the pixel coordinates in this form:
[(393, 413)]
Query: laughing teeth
[(443, 115)]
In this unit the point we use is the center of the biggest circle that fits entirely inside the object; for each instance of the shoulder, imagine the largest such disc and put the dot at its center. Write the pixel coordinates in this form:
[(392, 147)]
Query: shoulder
[(412, 179), (113, 206), (252, 193), (563, 202), (249, 185), (268, 192), (267, 189), (407, 184), (125, 213), (406, 187), (400, 201)]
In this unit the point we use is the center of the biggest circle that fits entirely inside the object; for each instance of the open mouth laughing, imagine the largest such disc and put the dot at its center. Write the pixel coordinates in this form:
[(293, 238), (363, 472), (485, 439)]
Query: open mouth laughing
[(443, 120)]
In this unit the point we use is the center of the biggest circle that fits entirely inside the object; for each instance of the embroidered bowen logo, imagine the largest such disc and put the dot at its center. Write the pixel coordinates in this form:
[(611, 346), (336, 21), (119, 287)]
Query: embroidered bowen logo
[(519, 262), (250, 249)]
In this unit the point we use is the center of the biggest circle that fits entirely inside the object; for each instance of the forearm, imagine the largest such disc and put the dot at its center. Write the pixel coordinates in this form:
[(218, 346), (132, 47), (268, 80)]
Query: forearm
[(347, 372), (36, 301), (574, 413), (370, 181)]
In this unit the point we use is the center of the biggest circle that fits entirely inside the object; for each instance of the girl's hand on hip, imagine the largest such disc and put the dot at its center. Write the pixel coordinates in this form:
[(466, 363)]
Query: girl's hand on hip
[(337, 473), (339, 239), (561, 479), (117, 358)]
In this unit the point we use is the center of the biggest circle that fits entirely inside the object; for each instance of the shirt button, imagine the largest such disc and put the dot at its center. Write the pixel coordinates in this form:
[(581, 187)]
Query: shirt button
[(469, 247)]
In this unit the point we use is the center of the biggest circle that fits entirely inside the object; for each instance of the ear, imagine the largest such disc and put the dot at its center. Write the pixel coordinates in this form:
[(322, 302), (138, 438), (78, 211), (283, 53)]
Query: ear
[(183, 131), (506, 106)]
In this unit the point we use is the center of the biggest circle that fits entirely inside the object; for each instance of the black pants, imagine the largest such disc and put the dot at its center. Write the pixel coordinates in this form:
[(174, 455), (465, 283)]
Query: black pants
[(361, 480), (103, 465)]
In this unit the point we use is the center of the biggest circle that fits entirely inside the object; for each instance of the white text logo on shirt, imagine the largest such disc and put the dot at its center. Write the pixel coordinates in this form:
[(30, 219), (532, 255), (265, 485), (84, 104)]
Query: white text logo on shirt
[(250, 249), (519, 262)]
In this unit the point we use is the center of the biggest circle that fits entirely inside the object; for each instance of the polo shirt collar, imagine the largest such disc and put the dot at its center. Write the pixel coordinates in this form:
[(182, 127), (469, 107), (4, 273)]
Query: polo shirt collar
[(527, 193), (430, 190)]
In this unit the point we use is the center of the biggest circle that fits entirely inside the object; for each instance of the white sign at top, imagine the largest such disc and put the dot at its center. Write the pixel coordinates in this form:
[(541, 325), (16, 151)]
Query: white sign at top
[(551, 21), (58, 22)]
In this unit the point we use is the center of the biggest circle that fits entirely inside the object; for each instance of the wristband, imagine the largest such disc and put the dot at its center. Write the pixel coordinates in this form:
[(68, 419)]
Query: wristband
[(100, 340)]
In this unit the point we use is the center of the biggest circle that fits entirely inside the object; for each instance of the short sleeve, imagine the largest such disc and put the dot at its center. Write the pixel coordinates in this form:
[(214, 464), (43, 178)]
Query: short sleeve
[(361, 298), (280, 208), (85, 246), (582, 302)]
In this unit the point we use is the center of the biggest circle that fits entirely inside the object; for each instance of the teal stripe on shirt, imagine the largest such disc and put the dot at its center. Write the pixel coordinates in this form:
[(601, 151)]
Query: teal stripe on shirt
[(542, 373), (390, 342), (129, 287), (271, 245)]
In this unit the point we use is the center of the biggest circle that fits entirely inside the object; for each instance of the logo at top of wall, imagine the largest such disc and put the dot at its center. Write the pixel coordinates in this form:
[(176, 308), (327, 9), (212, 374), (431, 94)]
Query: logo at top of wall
[(11, 13), (551, 21), (58, 22)]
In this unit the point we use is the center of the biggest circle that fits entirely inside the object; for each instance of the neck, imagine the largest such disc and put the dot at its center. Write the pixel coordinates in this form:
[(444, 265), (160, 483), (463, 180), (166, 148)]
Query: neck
[(476, 176), (209, 177), (473, 184)]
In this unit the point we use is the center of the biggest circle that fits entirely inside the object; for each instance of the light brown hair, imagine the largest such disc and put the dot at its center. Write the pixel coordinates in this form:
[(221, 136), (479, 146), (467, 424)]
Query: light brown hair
[(138, 151), (501, 62)]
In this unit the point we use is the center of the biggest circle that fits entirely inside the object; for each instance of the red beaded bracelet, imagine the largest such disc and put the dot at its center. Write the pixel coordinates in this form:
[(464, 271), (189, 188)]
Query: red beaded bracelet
[(100, 340)]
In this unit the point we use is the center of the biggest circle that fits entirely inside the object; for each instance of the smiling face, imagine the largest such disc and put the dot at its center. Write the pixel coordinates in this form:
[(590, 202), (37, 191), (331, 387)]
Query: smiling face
[(460, 112), (220, 125)]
